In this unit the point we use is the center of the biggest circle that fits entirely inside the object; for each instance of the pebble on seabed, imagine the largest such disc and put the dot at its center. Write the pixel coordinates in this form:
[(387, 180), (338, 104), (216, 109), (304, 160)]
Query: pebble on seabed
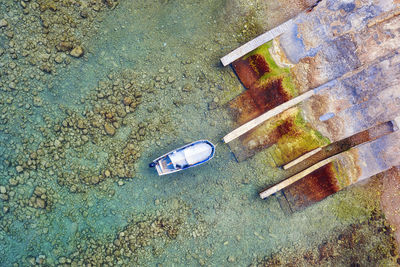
[(110, 130), (171, 79), (19, 168), (3, 189), (231, 258), (3, 23), (77, 52)]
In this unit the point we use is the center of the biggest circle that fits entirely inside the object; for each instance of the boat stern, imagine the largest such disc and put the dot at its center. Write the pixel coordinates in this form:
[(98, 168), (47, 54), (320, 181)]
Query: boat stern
[(159, 170)]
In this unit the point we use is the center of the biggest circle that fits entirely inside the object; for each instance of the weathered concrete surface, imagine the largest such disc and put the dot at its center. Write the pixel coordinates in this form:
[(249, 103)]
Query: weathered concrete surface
[(390, 199), (335, 38), (358, 101), (378, 156)]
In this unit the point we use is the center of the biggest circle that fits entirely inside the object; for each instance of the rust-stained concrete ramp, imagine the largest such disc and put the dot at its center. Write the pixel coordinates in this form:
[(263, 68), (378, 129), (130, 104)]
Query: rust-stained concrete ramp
[(347, 168)]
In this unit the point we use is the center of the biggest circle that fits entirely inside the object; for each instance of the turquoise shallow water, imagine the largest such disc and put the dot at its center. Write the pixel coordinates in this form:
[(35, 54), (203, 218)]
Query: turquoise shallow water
[(223, 222)]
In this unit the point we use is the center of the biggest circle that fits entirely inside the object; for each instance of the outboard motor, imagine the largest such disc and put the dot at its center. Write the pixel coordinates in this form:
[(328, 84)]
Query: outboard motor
[(152, 165)]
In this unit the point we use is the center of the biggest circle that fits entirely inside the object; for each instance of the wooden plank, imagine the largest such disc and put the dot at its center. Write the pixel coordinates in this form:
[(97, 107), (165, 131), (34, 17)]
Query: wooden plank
[(295, 178), (267, 115), (256, 42), (303, 157)]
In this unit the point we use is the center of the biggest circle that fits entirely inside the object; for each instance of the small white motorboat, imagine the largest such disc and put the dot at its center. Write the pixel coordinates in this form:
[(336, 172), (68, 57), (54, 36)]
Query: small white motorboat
[(185, 157)]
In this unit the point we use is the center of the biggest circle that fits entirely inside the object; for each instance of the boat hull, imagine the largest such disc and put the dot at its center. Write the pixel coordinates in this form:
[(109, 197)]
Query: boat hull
[(185, 157)]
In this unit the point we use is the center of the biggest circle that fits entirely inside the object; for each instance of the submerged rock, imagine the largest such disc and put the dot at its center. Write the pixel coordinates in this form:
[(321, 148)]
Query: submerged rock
[(3, 23), (64, 46), (37, 101), (95, 180), (40, 203), (231, 259), (19, 168), (58, 59), (39, 191), (110, 130), (77, 52), (127, 101), (171, 79)]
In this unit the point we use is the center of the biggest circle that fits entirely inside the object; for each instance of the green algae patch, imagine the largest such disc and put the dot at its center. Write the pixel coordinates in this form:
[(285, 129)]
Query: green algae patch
[(268, 84), (298, 140), (275, 72), (341, 175), (286, 137), (346, 168), (356, 202)]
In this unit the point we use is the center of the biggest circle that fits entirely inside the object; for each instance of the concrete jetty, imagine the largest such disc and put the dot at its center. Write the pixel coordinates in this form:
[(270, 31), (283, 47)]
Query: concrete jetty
[(326, 76)]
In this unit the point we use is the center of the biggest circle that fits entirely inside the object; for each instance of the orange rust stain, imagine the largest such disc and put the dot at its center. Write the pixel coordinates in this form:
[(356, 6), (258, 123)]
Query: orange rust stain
[(260, 98), (251, 69), (269, 95), (313, 188), (259, 64), (245, 72), (243, 108)]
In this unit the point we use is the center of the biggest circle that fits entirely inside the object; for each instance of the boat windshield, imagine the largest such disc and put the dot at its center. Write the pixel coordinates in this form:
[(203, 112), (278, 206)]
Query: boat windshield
[(178, 159)]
